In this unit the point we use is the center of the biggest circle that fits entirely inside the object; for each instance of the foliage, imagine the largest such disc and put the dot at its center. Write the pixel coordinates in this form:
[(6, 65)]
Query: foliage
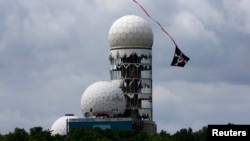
[(97, 134)]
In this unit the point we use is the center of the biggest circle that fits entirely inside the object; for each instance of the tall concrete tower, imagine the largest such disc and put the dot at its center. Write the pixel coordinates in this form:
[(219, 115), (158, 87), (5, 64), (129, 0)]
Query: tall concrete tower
[(131, 40)]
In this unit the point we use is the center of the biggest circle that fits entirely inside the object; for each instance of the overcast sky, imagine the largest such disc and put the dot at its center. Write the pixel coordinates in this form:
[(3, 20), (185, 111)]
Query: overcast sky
[(52, 50)]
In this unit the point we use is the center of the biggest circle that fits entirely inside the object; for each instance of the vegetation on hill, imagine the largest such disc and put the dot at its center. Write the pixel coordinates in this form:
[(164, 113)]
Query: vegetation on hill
[(97, 134)]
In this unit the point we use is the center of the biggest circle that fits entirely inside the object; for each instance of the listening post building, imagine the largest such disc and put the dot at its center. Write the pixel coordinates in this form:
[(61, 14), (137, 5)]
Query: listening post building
[(125, 102)]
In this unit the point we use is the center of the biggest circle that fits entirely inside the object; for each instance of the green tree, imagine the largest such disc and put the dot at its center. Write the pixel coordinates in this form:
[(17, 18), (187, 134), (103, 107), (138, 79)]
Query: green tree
[(58, 137), (18, 135), (38, 134), (165, 135), (201, 135), (98, 134), (156, 137), (184, 135), (141, 136), (80, 134)]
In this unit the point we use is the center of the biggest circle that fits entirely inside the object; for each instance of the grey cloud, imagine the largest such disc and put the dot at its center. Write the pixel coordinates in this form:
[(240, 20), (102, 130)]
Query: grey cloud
[(50, 51), (193, 104)]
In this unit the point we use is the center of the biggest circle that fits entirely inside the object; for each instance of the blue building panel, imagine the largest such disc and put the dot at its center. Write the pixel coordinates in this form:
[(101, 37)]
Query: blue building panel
[(103, 124)]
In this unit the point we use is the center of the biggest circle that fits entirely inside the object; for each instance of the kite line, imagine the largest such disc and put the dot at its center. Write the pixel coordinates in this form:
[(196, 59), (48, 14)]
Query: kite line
[(162, 28), (180, 59)]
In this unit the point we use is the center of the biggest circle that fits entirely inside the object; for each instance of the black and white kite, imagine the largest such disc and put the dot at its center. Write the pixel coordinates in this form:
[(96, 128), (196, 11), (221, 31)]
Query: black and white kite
[(180, 59)]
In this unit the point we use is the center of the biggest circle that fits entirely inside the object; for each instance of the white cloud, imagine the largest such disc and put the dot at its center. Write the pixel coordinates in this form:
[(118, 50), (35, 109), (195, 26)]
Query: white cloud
[(50, 51), (243, 5), (204, 11), (183, 104), (236, 15), (190, 29)]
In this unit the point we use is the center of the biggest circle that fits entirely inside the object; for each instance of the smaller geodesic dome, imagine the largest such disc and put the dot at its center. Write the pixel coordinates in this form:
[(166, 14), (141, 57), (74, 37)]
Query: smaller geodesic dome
[(103, 99), (60, 125)]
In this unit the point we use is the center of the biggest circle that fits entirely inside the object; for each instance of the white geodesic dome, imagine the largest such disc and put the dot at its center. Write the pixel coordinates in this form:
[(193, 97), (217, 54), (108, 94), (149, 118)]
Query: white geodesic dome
[(60, 125), (130, 31), (103, 98)]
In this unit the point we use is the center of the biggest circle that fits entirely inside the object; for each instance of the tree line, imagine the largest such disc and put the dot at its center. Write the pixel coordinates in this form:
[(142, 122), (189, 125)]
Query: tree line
[(97, 134)]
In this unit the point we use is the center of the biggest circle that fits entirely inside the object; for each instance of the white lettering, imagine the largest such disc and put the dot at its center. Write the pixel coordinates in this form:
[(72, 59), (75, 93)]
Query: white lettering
[(243, 133), (216, 132)]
